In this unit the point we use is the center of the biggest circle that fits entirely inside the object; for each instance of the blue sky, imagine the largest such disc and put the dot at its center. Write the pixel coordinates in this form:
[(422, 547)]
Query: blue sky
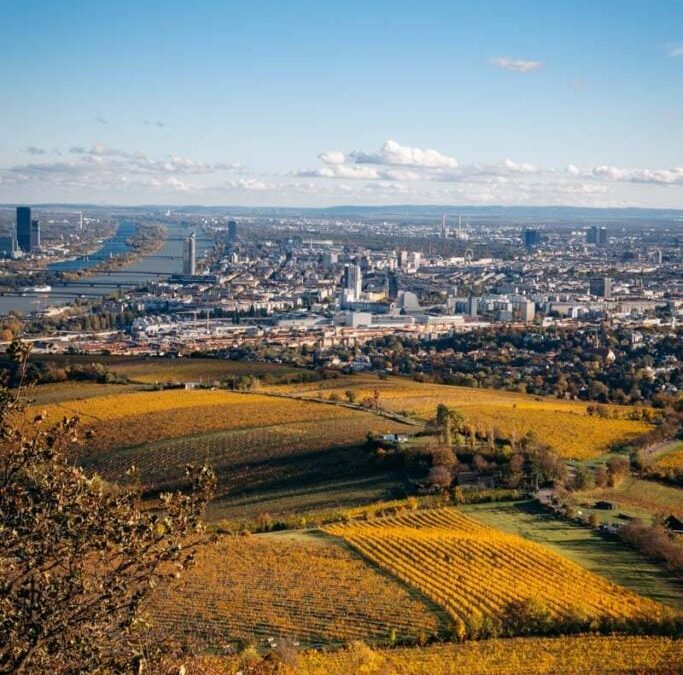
[(524, 102)]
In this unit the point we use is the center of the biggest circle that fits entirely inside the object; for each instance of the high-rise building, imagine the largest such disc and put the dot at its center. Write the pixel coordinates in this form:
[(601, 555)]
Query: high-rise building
[(8, 246), (35, 235), (531, 237), (353, 283), (232, 230), (24, 228), (189, 253), (524, 308), (601, 287), (597, 235)]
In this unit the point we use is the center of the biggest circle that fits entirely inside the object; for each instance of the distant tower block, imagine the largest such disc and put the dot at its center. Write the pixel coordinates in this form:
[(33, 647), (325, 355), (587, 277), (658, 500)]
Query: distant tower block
[(353, 283), (444, 229), (24, 228), (80, 220), (35, 236), (189, 254), (232, 231)]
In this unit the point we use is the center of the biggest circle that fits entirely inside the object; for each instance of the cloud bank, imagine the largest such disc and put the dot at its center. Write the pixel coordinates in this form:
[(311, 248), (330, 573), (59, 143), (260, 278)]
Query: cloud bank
[(395, 171)]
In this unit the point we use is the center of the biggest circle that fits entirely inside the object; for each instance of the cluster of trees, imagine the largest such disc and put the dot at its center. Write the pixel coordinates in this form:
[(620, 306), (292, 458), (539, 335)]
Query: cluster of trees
[(609, 474), (656, 542), (503, 462), (562, 362), (10, 328), (44, 372)]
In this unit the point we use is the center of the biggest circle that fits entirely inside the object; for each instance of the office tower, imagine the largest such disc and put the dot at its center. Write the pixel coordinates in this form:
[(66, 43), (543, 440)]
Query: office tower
[(531, 237), (444, 229), (473, 306), (601, 287), (189, 252), (24, 228), (35, 236), (232, 230), (353, 283), (8, 246), (80, 220), (597, 235)]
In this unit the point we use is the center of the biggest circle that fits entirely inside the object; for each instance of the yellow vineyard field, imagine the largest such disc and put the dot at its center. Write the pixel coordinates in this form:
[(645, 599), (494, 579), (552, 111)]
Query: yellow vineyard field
[(530, 656), (310, 590), (131, 419), (527, 656), (184, 370), (564, 425), (672, 459), (474, 572)]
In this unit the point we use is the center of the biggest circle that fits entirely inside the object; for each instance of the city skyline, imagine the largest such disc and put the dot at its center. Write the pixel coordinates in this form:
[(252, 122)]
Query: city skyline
[(380, 104)]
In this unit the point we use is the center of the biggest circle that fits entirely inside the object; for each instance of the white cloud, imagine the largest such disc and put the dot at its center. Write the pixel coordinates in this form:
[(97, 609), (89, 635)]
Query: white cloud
[(249, 184), (673, 176), (395, 154), (516, 167), (342, 171), (332, 157), (516, 65), (674, 49)]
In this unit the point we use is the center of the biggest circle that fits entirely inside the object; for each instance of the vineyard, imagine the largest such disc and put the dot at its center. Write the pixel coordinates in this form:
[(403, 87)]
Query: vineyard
[(530, 656), (609, 557), (564, 425), (194, 369), (131, 419), (165, 369), (474, 572), (527, 656), (313, 591), (59, 392), (276, 468), (673, 459)]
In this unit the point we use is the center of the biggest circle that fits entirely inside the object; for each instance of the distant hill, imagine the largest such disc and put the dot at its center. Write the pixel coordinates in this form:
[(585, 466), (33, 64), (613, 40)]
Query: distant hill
[(502, 214)]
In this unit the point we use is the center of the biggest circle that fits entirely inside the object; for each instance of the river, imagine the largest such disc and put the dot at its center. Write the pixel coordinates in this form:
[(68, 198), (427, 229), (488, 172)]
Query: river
[(167, 260)]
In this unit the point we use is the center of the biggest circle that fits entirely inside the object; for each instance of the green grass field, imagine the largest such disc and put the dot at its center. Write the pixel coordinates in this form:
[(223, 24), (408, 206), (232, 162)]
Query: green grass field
[(608, 557), (641, 498)]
